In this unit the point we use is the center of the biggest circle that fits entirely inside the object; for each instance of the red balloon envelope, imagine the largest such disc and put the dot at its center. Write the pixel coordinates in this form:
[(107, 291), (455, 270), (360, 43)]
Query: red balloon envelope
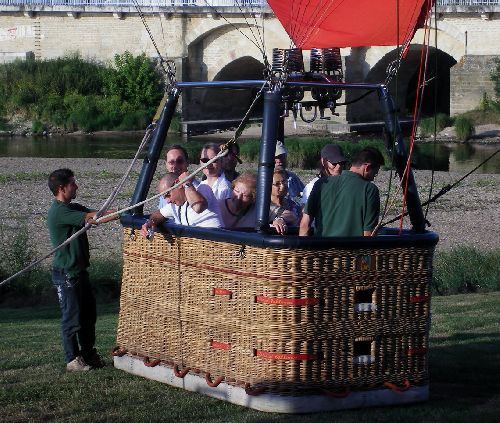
[(350, 23)]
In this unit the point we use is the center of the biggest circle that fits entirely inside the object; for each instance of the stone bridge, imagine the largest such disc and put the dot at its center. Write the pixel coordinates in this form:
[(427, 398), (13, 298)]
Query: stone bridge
[(222, 39)]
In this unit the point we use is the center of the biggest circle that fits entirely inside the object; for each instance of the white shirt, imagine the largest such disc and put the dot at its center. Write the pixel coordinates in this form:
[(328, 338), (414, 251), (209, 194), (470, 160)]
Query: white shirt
[(221, 188), (185, 215), (307, 191)]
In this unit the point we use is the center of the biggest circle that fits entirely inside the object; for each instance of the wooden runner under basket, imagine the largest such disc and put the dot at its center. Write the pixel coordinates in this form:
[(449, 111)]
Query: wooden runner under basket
[(284, 320)]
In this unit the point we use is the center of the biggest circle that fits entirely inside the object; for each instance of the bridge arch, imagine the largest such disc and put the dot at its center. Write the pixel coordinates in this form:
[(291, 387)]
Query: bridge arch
[(403, 87), (217, 55)]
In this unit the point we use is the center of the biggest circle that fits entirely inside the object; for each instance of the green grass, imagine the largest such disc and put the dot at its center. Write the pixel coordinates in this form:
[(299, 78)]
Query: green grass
[(464, 368), (23, 176)]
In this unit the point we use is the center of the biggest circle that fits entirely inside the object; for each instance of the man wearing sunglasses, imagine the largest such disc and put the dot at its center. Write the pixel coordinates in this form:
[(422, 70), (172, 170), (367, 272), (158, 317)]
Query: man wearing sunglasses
[(332, 163), (348, 204), (185, 205), (176, 161)]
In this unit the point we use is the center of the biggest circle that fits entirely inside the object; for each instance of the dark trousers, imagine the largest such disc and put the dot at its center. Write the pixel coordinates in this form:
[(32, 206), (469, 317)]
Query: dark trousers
[(78, 309)]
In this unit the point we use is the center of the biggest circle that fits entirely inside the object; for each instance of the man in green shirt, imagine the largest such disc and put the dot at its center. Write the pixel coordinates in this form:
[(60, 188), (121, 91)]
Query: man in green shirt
[(348, 204), (70, 275)]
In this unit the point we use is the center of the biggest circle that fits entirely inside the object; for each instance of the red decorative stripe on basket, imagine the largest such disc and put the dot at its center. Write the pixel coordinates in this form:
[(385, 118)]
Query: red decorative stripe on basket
[(150, 363), (417, 351), (419, 299), (286, 301), (220, 345), (200, 266), (284, 356), (118, 351), (396, 388), (222, 291)]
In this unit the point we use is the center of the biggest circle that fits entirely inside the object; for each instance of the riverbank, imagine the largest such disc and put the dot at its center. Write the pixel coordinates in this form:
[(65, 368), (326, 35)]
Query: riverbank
[(467, 216)]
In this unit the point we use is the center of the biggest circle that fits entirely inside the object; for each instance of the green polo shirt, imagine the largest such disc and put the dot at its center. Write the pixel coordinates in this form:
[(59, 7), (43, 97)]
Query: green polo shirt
[(344, 205), (63, 221)]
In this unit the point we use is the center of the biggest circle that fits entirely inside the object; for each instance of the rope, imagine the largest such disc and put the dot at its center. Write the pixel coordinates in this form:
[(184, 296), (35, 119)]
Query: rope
[(102, 209), (436, 90), (445, 189), (224, 151), (416, 110)]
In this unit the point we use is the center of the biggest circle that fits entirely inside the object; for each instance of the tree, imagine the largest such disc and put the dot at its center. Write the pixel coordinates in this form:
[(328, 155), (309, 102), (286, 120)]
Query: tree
[(135, 81)]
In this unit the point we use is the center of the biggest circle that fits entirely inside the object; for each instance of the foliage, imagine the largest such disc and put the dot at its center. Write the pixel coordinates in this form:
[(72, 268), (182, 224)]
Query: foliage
[(465, 270), (495, 77), (464, 128), (133, 80), (31, 287), (304, 152), (426, 126), (74, 94)]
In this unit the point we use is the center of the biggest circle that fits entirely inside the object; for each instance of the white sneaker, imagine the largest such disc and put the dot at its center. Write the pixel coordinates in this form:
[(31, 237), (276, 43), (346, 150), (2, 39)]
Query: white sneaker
[(78, 365)]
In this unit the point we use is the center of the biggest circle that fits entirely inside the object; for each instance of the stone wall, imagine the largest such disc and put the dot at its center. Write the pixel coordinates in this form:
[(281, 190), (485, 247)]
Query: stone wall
[(470, 79)]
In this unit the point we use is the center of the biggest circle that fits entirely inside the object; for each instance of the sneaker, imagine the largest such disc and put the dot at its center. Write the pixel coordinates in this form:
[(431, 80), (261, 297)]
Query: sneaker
[(96, 361), (78, 365)]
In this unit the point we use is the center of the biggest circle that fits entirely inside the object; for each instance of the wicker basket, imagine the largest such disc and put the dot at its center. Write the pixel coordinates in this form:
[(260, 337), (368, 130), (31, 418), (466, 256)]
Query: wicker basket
[(285, 320)]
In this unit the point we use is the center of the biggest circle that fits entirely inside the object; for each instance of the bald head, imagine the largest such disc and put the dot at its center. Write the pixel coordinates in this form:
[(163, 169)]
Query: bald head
[(167, 181)]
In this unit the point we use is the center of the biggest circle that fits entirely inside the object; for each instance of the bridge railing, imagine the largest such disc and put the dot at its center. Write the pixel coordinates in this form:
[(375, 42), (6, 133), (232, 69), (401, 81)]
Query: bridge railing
[(468, 2), (141, 3)]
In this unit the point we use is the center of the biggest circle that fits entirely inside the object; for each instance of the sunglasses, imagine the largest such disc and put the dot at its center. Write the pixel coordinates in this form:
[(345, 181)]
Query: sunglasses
[(180, 160)]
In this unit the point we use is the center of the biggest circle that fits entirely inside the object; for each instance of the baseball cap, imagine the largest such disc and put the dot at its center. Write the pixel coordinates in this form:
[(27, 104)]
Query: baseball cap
[(280, 149), (333, 153)]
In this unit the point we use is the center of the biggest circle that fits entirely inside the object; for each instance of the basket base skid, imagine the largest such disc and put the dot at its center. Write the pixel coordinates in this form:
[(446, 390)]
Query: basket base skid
[(271, 402)]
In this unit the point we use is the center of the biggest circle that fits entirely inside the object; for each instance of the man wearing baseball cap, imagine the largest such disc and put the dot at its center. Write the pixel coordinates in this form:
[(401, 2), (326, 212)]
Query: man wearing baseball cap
[(332, 163), (348, 204)]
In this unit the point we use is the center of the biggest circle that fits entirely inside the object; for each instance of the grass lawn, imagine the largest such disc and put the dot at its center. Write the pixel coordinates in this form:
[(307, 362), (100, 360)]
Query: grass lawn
[(464, 371)]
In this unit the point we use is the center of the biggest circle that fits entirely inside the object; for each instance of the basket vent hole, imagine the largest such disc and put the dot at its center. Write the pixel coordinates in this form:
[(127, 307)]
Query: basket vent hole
[(364, 300), (363, 352)]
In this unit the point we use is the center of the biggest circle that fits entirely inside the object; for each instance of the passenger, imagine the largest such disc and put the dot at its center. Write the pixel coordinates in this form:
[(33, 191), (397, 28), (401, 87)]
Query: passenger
[(185, 205), (176, 161), (238, 211), (295, 185), (230, 161), (283, 210), (216, 180), (348, 204), (332, 163)]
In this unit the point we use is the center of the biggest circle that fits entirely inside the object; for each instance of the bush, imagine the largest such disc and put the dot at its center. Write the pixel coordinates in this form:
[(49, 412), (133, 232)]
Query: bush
[(426, 125), (76, 94), (495, 77), (29, 288), (466, 269), (305, 152), (464, 128)]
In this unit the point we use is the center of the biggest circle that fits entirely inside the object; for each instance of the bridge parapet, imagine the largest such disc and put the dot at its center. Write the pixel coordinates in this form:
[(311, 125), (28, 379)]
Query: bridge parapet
[(146, 6)]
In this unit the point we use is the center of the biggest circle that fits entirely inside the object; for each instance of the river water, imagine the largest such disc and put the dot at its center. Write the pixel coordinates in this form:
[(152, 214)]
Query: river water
[(443, 157)]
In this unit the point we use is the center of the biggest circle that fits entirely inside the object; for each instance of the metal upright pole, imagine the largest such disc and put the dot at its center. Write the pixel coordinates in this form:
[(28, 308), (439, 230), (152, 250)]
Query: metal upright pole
[(400, 159), (270, 125), (155, 147)]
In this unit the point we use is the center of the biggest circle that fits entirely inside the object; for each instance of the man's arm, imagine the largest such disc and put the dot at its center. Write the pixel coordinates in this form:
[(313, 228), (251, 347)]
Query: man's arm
[(90, 217), (195, 199), (305, 225)]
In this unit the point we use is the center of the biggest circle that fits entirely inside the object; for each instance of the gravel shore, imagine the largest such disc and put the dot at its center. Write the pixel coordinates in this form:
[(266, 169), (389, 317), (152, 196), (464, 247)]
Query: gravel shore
[(468, 215)]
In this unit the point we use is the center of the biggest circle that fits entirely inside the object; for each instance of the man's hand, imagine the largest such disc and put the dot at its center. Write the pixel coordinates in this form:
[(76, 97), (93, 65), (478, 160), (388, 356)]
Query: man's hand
[(145, 229)]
